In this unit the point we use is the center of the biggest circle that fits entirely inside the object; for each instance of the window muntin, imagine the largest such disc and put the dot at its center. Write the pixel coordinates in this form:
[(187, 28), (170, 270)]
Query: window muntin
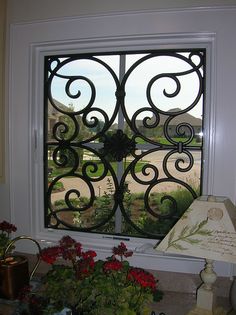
[(121, 122)]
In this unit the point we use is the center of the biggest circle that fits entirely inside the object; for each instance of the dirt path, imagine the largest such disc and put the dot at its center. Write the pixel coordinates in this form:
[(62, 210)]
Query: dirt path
[(156, 159)]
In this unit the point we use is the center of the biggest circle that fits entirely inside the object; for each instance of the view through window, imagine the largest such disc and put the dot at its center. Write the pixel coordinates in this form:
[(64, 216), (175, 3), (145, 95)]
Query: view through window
[(123, 145)]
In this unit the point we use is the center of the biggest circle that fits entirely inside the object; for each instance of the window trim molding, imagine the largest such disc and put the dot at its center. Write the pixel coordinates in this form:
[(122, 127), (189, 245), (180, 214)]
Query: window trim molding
[(34, 48), (177, 53), (40, 50)]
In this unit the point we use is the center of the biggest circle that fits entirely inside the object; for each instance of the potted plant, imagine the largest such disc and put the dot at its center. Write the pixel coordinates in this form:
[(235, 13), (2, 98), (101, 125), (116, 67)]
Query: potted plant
[(13, 269), (88, 286), (6, 229)]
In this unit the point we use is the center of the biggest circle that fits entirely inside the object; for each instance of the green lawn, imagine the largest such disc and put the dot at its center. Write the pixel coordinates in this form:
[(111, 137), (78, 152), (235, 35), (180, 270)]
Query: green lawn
[(165, 141)]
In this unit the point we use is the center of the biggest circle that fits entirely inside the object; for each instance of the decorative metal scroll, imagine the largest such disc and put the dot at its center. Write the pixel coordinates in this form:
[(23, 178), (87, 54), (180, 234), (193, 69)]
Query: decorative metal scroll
[(123, 154)]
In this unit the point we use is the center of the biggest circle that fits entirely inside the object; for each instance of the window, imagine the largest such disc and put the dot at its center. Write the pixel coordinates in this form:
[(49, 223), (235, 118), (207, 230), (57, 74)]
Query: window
[(123, 140)]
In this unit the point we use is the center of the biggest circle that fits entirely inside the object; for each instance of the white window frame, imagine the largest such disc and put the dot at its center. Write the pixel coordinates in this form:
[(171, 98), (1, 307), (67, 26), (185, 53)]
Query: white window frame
[(40, 119), (29, 43), (39, 52)]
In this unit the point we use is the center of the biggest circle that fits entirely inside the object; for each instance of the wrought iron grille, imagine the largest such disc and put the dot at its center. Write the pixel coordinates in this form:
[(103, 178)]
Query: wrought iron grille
[(123, 140)]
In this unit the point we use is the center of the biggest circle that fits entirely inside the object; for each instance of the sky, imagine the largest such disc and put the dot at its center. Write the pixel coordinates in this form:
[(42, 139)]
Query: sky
[(136, 85)]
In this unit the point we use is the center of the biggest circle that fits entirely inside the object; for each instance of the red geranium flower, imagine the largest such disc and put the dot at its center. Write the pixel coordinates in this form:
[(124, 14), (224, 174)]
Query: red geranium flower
[(142, 277), (7, 227), (112, 265), (89, 254), (50, 254), (121, 250), (67, 241), (70, 249)]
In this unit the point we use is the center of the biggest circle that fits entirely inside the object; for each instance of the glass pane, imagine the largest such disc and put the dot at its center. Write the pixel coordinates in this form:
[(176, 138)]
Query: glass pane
[(124, 149)]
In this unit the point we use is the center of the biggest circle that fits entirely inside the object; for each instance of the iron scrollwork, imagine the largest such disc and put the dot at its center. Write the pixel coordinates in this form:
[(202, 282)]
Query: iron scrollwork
[(118, 145), (151, 151)]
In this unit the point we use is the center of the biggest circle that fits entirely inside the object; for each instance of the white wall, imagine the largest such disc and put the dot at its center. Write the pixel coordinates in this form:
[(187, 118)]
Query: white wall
[(28, 10), (16, 194)]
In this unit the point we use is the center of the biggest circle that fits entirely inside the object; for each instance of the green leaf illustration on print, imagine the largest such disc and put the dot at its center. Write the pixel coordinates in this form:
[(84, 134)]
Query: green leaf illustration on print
[(171, 236), (192, 240), (184, 231), (188, 234), (178, 246)]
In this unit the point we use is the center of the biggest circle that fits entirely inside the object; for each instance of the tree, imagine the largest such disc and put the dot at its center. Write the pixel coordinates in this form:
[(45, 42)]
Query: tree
[(83, 133)]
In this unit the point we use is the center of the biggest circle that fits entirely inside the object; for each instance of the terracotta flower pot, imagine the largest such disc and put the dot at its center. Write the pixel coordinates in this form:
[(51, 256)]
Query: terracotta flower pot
[(14, 275)]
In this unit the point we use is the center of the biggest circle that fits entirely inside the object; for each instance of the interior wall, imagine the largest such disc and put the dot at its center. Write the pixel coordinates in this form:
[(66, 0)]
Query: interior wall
[(2, 55), (45, 9), (4, 179)]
